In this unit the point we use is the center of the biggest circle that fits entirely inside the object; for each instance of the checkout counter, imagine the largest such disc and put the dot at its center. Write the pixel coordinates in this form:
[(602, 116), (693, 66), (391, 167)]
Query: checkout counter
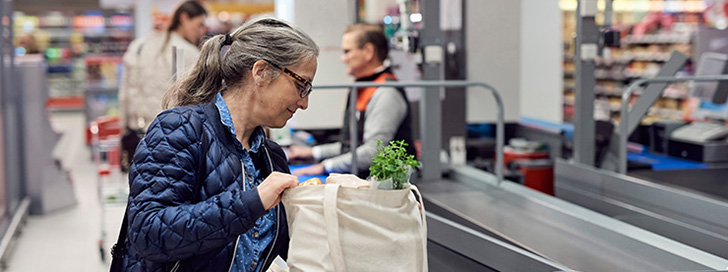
[(478, 222), (673, 196), (513, 228), (681, 197)]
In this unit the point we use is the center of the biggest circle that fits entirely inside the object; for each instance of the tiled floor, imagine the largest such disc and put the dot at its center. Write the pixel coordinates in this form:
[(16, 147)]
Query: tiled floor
[(68, 240)]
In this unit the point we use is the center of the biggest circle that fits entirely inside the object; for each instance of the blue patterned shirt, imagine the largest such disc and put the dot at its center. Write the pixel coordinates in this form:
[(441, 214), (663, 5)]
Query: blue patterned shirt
[(249, 253)]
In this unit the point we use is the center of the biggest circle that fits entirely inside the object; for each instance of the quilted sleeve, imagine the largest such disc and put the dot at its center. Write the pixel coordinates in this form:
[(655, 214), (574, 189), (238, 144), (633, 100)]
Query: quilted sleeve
[(165, 224)]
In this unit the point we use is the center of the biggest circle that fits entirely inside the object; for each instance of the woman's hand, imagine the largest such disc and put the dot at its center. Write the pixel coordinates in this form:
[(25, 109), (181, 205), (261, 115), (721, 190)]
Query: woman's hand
[(299, 152), (272, 187), (316, 169)]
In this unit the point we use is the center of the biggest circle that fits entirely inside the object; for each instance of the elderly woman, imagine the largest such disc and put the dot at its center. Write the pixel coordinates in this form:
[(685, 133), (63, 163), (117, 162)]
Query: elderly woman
[(205, 184)]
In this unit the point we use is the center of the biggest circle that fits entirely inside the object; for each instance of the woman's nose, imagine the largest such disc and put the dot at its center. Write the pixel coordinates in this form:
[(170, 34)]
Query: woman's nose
[(303, 103)]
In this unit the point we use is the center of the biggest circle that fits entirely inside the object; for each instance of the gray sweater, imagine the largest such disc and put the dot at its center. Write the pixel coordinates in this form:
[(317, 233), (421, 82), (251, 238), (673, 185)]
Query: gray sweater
[(384, 113)]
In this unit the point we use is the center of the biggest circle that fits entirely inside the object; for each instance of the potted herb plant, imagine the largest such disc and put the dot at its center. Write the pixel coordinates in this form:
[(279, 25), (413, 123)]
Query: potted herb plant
[(392, 166)]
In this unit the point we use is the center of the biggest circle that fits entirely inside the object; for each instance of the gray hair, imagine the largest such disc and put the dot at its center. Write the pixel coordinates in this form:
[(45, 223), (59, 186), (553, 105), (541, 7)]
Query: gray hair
[(267, 39)]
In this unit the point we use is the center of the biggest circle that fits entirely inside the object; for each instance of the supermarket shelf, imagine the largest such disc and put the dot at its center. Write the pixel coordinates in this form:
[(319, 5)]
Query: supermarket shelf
[(658, 39), (59, 69), (249, 8), (65, 103), (640, 55), (71, 42)]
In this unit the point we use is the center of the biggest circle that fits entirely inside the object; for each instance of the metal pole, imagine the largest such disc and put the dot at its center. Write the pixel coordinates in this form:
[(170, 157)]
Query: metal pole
[(174, 63), (449, 83), (355, 11), (585, 50), (499, 137), (179, 63), (608, 11), (353, 127), (624, 111), (430, 104)]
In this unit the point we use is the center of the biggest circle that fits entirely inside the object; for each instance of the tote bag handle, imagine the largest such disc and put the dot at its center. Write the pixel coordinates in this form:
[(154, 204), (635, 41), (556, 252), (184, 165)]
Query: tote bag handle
[(331, 194), (423, 230)]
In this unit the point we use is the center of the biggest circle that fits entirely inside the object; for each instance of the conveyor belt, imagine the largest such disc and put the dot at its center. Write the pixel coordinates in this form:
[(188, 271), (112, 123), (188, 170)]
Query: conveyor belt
[(691, 218), (560, 231), (711, 182)]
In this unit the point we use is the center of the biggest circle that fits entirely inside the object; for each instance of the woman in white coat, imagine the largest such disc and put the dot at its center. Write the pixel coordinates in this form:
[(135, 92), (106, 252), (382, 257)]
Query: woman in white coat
[(147, 71)]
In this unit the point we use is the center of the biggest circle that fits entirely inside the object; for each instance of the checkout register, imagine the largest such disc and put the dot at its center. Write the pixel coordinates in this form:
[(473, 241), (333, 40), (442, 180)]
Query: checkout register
[(705, 139), (703, 143)]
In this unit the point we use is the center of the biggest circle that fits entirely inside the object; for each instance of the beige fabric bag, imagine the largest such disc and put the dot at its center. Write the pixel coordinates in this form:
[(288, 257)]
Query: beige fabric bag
[(335, 228)]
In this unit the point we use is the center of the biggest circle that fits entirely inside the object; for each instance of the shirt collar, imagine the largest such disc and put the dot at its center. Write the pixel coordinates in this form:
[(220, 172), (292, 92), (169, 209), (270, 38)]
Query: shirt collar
[(376, 73), (258, 136)]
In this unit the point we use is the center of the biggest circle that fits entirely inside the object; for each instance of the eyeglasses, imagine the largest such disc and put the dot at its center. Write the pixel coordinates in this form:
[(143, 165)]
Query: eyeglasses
[(306, 87)]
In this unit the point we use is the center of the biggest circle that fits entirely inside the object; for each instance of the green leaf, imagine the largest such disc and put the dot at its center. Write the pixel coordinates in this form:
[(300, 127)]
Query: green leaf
[(392, 161)]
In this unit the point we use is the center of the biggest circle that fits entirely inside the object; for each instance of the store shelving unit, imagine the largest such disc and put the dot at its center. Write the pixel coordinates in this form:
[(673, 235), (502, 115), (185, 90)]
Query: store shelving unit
[(83, 52), (651, 31)]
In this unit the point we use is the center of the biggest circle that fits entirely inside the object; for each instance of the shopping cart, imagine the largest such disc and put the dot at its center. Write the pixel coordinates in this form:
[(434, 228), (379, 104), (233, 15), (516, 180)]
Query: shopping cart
[(112, 189)]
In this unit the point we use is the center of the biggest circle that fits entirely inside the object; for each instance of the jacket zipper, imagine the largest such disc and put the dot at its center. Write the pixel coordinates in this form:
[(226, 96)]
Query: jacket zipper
[(278, 213), (275, 239), (235, 246), (175, 267)]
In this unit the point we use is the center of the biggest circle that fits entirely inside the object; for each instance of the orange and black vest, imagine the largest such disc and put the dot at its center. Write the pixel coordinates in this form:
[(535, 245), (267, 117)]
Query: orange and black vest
[(404, 131)]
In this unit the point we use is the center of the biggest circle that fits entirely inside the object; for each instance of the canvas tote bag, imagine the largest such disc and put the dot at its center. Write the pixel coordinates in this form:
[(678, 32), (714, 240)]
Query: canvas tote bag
[(335, 228)]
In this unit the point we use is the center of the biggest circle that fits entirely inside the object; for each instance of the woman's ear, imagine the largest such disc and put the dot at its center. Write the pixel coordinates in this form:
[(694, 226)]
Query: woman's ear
[(184, 18), (260, 71)]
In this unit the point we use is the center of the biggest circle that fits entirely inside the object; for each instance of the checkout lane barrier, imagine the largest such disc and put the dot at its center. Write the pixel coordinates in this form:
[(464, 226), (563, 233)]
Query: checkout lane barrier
[(624, 124), (426, 83)]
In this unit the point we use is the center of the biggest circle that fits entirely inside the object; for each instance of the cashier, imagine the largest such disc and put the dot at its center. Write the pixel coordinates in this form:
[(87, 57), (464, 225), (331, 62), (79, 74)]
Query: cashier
[(382, 113)]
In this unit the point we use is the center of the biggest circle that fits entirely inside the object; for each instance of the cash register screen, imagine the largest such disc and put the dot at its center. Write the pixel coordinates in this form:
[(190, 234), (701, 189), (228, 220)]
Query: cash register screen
[(708, 109)]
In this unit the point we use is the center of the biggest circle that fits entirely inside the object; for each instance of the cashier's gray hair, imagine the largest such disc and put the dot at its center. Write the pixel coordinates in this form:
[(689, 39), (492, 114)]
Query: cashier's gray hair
[(216, 69)]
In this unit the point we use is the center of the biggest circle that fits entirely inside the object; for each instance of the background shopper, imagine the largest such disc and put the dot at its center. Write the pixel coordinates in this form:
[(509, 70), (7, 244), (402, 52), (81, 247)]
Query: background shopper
[(147, 72)]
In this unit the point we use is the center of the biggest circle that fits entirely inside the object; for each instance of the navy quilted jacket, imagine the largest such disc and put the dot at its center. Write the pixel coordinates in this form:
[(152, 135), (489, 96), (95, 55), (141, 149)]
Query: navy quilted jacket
[(168, 222)]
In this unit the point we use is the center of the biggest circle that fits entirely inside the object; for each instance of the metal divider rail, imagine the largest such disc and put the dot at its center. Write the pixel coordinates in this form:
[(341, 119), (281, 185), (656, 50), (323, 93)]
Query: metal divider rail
[(426, 127)]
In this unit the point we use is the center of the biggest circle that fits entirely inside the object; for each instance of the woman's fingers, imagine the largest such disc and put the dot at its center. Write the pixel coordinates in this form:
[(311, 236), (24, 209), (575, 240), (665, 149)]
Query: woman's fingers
[(272, 187)]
